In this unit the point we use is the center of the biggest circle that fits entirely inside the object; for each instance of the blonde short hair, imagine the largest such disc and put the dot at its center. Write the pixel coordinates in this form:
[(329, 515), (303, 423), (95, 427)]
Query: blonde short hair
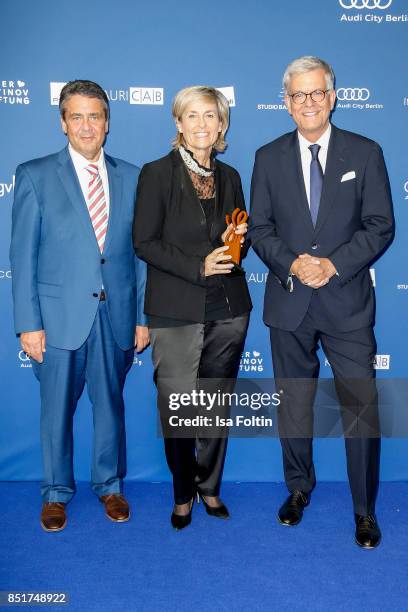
[(188, 94)]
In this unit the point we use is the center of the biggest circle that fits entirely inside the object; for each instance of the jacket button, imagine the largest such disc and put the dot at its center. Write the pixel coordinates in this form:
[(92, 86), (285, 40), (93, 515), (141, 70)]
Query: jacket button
[(95, 294), (315, 246), (102, 261)]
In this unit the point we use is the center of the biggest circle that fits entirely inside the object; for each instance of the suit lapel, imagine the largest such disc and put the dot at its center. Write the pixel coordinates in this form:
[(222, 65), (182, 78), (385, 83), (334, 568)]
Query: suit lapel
[(219, 198), (293, 172), (187, 187), (115, 198), (335, 165), (69, 179)]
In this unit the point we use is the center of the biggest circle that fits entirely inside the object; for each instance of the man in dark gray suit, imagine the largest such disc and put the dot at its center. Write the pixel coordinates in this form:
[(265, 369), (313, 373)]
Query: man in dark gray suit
[(321, 213)]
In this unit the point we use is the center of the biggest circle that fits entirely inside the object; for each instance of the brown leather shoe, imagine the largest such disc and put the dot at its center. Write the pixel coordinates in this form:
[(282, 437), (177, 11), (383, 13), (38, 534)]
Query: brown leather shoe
[(116, 507), (53, 517)]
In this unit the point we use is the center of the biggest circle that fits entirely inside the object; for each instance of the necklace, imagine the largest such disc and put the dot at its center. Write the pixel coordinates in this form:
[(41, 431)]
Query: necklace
[(192, 164)]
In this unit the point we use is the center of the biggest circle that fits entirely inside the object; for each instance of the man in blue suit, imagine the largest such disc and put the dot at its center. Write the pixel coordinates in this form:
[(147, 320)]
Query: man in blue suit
[(321, 213), (78, 294)]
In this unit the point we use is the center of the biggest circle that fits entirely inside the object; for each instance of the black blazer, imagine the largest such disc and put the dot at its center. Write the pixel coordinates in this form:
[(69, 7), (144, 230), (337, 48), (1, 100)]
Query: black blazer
[(170, 233), (354, 225)]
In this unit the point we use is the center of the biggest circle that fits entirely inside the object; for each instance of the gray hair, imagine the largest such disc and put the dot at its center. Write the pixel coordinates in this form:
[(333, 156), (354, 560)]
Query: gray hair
[(306, 64), (83, 88)]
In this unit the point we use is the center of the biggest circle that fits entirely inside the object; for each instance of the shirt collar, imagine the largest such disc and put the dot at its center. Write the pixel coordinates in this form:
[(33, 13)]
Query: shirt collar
[(80, 161), (323, 141)]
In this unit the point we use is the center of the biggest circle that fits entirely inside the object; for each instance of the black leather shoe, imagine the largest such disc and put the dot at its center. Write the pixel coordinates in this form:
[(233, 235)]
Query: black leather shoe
[(368, 534), (180, 521), (291, 512), (220, 511)]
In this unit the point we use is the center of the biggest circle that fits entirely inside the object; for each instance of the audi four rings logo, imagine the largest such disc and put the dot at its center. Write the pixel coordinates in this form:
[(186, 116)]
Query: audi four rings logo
[(365, 4), (23, 356), (406, 189), (353, 94)]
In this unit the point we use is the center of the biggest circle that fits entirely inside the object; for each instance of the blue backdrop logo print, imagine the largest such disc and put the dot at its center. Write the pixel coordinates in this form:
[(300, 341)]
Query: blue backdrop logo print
[(137, 361), (365, 4), (353, 94), (14, 92), (55, 91), (146, 95), (251, 361), (229, 93), (257, 277), (382, 362), (6, 188), (25, 361), (117, 95), (141, 95), (356, 98), (279, 106)]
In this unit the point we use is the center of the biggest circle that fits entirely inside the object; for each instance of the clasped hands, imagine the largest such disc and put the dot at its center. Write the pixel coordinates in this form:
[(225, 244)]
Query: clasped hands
[(312, 271), (216, 262)]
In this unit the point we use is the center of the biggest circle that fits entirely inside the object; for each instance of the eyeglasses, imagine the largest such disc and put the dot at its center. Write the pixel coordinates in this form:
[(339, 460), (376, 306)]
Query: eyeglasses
[(299, 97)]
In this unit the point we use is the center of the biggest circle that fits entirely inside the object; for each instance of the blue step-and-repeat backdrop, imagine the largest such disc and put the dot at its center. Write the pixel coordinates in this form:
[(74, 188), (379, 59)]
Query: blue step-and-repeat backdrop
[(142, 53)]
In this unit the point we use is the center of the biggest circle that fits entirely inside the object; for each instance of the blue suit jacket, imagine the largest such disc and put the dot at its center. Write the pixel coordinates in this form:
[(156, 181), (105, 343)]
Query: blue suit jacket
[(57, 267), (354, 225)]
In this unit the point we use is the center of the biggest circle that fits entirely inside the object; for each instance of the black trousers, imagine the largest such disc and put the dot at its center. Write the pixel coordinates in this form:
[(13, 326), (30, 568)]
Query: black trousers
[(351, 356), (181, 357)]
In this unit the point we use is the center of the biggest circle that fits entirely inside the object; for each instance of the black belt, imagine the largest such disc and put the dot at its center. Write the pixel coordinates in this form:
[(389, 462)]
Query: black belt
[(102, 296)]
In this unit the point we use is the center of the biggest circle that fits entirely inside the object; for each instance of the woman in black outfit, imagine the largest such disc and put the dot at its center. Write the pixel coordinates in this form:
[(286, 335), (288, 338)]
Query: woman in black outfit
[(197, 302)]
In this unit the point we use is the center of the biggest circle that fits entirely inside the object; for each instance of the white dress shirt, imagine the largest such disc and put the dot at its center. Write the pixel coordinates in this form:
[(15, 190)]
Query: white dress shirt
[(306, 156), (80, 163)]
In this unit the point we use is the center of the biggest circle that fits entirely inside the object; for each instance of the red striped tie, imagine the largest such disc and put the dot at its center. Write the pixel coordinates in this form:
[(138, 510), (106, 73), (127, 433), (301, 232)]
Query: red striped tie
[(98, 210)]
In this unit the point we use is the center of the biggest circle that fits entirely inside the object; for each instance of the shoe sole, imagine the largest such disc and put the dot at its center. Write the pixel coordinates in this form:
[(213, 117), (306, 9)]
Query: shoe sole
[(367, 547), (176, 528), (223, 518), (53, 530), (288, 524), (124, 520)]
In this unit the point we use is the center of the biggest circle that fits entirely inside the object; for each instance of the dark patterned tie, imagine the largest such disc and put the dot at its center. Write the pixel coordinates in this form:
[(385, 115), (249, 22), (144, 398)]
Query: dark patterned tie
[(316, 182)]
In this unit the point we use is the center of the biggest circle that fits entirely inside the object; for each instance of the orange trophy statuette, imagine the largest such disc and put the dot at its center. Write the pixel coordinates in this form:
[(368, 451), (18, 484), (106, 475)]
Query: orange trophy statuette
[(232, 240)]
